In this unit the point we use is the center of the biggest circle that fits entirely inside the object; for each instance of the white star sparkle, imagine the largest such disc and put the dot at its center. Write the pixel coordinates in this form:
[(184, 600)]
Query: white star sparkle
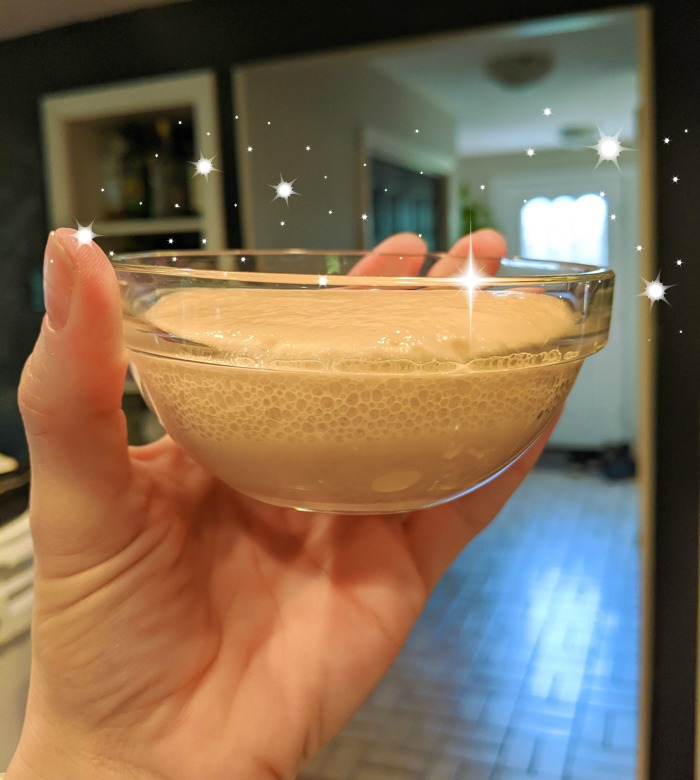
[(655, 291), (204, 166), (470, 279), (322, 281), (284, 189), (530, 152), (609, 148), (547, 111), (84, 235)]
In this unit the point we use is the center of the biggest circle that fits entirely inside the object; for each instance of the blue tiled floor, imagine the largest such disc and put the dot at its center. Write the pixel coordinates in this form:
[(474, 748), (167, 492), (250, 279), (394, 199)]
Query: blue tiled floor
[(525, 662)]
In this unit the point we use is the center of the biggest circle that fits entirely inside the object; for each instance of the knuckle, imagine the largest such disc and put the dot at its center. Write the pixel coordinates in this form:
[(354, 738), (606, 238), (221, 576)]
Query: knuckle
[(34, 403)]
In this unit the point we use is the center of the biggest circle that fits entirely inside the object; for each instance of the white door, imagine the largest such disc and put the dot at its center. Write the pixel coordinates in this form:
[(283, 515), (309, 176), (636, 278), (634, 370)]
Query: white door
[(602, 406)]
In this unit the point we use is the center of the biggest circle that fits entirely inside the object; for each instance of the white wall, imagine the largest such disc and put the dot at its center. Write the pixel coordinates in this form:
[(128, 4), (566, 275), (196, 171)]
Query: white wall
[(338, 105)]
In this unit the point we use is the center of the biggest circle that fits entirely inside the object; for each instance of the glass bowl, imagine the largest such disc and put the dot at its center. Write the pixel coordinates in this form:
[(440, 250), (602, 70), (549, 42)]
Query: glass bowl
[(302, 381)]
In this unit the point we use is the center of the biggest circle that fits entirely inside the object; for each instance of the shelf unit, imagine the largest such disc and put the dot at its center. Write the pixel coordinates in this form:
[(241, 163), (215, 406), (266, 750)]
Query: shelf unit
[(76, 125)]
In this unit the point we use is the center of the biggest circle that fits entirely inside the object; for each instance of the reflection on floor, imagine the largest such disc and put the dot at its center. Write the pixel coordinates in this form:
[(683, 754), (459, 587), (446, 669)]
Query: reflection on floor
[(525, 662)]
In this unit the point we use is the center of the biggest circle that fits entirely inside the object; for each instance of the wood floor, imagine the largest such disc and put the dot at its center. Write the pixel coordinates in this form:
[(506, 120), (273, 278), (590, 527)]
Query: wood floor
[(525, 663)]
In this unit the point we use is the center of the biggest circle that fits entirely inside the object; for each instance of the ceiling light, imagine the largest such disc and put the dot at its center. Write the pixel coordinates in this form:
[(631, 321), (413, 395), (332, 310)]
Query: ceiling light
[(519, 70)]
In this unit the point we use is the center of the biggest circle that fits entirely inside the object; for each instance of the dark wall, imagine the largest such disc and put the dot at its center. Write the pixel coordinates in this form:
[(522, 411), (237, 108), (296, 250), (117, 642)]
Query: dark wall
[(218, 35)]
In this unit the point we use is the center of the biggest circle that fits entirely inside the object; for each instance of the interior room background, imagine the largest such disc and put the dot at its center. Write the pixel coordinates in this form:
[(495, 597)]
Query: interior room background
[(218, 37)]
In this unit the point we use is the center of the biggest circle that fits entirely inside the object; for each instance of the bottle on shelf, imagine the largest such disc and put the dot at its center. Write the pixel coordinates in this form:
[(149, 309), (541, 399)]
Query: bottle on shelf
[(167, 174), (135, 200), (115, 146)]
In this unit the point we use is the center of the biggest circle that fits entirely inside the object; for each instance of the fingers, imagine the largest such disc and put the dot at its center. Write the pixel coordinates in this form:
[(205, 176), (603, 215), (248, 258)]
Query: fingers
[(404, 253), (485, 246), (437, 536), (70, 399), (398, 255)]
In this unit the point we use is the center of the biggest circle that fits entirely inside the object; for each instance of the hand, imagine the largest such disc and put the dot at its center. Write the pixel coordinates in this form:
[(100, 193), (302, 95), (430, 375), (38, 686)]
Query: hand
[(181, 629)]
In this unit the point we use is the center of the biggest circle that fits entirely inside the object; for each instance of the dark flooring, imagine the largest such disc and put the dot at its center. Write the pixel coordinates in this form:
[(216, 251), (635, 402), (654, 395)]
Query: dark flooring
[(525, 663)]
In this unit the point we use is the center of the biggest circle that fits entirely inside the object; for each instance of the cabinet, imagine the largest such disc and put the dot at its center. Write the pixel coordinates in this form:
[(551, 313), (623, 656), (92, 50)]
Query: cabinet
[(123, 156)]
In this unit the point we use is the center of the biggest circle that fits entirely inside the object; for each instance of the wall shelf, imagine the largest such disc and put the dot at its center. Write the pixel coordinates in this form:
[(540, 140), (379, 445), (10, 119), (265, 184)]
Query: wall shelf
[(140, 227), (86, 133)]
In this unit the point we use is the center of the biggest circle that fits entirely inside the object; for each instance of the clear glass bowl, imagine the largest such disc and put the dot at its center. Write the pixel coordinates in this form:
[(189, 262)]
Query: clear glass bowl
[(299, 380)]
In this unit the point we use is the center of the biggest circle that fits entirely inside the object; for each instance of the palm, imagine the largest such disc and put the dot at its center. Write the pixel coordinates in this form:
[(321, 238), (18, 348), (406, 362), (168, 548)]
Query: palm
[(217, 595)]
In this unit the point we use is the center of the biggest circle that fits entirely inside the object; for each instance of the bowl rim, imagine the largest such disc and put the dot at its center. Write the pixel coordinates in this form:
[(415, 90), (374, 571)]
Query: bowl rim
[(552, 271)]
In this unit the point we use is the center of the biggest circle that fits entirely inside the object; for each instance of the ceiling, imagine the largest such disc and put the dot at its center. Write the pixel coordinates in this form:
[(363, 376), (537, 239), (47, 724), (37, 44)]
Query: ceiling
[(593, 84), (26, 17)]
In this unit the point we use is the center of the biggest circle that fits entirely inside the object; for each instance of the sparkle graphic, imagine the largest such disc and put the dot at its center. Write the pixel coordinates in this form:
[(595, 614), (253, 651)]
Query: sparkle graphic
[(364, 216), (547, 111), (675, 179), (470, 279), (284, 190), (667, 140), (204, 166), (85, 235), (308, 148), (530, 152), (322, 281), (250, 148), (609, 148), (639, 247), (613, 217), (655, 291), (679, 261)]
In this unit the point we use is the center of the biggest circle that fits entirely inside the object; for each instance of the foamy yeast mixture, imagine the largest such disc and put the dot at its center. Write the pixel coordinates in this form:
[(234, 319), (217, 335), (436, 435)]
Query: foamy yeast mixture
[(356, 400)]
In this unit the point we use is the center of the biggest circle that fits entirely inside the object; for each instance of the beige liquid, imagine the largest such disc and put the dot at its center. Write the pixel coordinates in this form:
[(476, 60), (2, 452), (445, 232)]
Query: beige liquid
[(357, 401)]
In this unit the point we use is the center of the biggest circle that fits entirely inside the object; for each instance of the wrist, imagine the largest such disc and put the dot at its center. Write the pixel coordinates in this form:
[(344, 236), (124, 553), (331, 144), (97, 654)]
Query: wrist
[(47, 759)]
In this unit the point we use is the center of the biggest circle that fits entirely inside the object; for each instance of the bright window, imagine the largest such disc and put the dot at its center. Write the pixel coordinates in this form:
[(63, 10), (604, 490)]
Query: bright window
[(565, 228)]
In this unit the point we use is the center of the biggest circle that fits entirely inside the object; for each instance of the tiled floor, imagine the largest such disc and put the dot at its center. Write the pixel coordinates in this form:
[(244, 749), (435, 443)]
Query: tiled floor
[(525, 662)]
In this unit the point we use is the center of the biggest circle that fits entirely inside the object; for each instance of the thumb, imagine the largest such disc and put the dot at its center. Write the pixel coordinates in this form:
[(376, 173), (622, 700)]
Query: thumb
[(70, 400)]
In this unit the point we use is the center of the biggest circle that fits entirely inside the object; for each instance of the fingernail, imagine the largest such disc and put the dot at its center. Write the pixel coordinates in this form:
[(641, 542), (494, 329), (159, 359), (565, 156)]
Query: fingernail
[(58, 282)]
